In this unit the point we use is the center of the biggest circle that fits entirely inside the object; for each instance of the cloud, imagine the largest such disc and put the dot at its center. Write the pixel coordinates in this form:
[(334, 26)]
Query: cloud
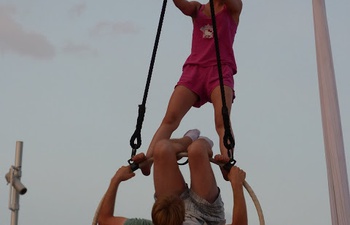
[(14, 38), (113, 28), (72, 48), (77, 9)]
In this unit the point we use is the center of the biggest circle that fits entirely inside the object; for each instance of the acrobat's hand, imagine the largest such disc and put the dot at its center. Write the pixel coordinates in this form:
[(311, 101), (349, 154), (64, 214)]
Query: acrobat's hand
[(236, 176), (123, 173)]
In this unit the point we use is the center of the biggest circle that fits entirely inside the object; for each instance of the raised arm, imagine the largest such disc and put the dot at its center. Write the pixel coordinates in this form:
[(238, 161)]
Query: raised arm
[(235, 8), (239, 215), (106, 214), (189, 8)]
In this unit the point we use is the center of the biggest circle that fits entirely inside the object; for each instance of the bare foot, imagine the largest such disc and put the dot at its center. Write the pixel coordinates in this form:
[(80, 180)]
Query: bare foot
[(222, 160), (141, 160)]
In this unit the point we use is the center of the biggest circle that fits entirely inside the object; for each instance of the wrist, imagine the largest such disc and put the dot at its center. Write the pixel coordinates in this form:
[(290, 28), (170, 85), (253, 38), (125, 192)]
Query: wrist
[(116, 180), (236, 185)]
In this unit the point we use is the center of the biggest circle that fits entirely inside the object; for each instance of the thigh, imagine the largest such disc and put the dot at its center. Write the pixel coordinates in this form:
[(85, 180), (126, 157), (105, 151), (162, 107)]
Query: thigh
[(203, 181), (216, 97), (217, 101), (181, 100), (168, 179)]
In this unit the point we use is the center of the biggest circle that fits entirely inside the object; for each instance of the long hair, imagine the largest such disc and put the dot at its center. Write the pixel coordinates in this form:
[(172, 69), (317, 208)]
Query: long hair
[(168, 210)]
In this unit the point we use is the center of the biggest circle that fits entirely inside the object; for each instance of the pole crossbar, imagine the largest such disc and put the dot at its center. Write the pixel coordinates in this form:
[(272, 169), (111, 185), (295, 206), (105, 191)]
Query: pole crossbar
[(13, 177)]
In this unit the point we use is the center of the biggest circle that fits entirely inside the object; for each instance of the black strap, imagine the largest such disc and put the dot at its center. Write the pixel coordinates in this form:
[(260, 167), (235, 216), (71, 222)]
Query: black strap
[(135, 141), (228, 139)]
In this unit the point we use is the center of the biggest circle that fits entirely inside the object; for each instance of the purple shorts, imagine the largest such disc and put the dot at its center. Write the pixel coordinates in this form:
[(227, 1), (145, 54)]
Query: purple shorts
[(203, 80)]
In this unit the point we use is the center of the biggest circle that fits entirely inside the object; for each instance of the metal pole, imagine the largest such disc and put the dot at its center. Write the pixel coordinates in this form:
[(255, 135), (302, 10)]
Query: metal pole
[(14, 178), (332, 131)]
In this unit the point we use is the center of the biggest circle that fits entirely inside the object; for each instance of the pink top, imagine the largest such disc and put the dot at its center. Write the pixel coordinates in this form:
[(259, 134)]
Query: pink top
[(203, 52)]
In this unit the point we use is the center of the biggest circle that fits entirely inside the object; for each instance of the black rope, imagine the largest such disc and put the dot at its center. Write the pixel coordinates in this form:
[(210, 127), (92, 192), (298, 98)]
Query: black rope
[(228, 139), (135, 141)]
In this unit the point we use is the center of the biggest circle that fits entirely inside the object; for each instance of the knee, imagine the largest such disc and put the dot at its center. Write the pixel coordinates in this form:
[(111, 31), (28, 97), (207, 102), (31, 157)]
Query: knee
[(162, 149), (198, 149), (171, 119)]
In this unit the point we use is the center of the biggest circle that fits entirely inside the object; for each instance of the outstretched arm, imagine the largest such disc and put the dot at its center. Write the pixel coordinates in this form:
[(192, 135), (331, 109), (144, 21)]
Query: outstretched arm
[(106, 216), (239, 215)]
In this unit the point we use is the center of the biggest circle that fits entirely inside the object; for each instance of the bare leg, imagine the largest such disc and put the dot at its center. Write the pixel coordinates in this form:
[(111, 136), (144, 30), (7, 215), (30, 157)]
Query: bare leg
[(167, 176), (180, 102), (203, 181), (219, 122)]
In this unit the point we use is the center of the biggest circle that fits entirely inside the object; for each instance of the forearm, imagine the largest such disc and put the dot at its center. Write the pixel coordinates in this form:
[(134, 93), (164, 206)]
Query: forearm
[(108, 202), (239, 215)]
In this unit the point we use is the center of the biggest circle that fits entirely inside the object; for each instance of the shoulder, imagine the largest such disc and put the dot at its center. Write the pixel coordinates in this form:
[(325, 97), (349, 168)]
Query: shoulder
[(234, 5), (118, 220), (196, 7), (189, 8), (235, 8), (137, 221)]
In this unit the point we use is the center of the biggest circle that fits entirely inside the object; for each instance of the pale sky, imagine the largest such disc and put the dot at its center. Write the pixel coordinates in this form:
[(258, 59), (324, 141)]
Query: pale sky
[(72, 74)]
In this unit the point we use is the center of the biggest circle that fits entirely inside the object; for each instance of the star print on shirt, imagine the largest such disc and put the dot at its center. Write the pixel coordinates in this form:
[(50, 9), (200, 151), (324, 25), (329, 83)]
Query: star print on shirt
[(207, 31)]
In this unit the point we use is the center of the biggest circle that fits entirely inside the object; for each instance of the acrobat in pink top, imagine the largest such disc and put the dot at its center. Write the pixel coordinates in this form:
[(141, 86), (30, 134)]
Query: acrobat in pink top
[(203, 52)]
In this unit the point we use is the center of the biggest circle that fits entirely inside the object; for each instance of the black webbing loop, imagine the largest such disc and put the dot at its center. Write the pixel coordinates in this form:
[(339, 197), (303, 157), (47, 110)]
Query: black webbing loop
[(137, 134), (142, 108), (228, 139)]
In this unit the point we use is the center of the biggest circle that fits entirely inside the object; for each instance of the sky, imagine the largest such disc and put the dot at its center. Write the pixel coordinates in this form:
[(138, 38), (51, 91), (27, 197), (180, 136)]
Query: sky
[(72, 74)]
